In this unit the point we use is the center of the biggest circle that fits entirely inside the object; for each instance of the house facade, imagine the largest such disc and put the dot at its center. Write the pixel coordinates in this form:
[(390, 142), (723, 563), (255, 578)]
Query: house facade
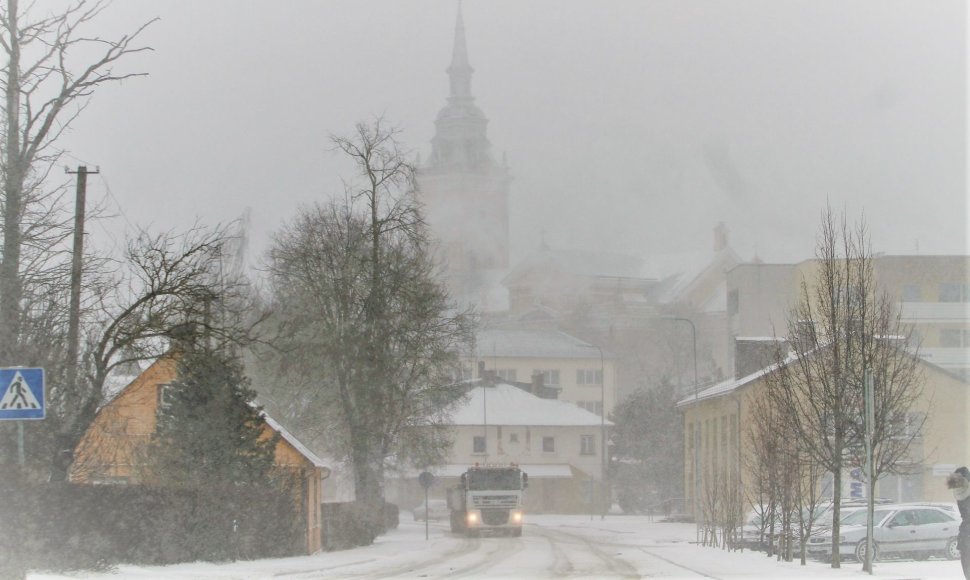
[(582, 373), (114, 448), (560, 447), (718, 447), (932, 294)]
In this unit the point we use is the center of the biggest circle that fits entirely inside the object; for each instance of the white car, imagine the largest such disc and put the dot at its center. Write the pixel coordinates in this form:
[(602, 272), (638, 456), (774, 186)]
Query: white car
[(915, 530)]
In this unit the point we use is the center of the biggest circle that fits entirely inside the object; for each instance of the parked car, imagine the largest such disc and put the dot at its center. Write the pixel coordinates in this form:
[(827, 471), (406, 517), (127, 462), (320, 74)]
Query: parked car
[(437, 509), (914, 530)]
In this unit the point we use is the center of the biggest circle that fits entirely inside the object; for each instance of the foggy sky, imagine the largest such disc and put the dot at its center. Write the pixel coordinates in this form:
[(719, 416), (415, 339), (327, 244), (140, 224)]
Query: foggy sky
[(629, 126)]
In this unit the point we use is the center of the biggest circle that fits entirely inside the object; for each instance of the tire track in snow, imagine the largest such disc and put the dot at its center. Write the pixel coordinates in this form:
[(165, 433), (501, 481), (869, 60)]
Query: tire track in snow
[(507, 548), (410, 568), (616, 566)]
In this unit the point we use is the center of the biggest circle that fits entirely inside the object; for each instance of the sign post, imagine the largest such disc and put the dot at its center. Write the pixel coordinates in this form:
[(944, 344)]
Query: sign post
[(426, 479), (22, 399)]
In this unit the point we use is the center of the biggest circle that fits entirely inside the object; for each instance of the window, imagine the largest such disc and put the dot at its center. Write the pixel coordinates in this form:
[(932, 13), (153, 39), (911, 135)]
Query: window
[(587, 445), (954, 337), (164, 397), (589, 377), (911, 293), (928, 516), (548, 444), (591, 406), (478, 444), (954, 292), (550, 377), (513, 438), (507, 375)]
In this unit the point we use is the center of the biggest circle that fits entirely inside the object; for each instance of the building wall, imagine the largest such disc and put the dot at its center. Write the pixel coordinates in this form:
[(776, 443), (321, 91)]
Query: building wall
[(932, 293), (717, 440), (590, 396), (524, 445)]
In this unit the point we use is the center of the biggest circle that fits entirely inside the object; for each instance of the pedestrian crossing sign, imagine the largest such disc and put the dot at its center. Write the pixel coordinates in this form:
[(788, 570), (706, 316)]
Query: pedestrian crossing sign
[(22, 394)]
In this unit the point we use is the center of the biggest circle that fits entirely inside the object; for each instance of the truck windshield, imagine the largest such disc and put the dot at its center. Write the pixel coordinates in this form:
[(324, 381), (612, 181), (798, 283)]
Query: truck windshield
[(495, 479)]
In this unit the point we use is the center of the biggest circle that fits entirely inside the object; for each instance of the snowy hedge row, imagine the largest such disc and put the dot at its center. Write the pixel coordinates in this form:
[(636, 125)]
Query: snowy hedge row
[(66, 526)]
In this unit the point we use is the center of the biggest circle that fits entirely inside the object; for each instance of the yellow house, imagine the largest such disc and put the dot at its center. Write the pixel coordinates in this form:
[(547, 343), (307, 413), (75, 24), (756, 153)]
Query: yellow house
[(931, 292), (717, 421), (113, 449)]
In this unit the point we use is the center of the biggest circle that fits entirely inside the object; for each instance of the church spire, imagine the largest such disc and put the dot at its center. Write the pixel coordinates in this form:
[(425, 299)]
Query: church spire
[(460, 139), (460, 72)]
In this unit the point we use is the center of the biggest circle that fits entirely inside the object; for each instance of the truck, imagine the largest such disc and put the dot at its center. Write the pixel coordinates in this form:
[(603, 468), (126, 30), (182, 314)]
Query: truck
[(488, 499)]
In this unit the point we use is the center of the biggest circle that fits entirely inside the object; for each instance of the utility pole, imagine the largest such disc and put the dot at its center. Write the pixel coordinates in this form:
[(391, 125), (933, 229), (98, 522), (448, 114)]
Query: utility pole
[(74, 315)]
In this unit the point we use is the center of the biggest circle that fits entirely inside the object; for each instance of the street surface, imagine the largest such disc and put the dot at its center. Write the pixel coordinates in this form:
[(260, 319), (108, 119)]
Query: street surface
[(551, 546)]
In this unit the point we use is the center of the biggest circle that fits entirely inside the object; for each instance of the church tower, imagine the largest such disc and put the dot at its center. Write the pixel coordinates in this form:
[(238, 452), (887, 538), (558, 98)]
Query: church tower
[(465, 191)]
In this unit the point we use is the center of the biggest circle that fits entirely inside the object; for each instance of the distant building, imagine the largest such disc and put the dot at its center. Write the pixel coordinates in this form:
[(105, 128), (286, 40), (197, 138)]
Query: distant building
[(465, 192), (931, 292), (578, 371), (558, 444), (718, 445)]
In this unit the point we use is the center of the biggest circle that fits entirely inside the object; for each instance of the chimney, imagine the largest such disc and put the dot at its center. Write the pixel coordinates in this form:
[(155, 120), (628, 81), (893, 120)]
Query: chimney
[(537, 386), (751, 354), (720, 237)]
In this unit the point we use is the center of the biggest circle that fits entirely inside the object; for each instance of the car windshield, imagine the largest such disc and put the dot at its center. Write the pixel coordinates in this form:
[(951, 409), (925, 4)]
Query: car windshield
[(495, 479), (858, 518)]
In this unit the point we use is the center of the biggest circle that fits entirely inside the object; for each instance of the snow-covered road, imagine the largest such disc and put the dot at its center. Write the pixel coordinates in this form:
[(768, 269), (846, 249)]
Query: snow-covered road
[(551, 547)]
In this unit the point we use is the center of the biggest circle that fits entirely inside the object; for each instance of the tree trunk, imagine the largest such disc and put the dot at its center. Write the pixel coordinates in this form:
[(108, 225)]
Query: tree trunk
[(836, 512)]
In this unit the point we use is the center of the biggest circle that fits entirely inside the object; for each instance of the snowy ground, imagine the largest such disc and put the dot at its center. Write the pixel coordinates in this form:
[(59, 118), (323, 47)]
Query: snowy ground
[(550, 547)]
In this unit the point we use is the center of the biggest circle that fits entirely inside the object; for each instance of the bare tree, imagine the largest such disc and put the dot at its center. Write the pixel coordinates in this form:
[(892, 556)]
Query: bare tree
[(167, 286), (363, 317), (44, 92), (840, 327)]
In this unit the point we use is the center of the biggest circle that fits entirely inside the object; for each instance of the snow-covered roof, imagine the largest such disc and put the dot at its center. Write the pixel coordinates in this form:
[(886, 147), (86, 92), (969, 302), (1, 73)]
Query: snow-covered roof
[(504, 404), (580, 263), (731, 385), (300, 447), (533, 343)]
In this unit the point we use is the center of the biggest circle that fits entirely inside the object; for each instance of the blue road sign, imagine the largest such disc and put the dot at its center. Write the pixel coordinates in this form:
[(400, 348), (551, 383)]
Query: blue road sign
[(22, 394)]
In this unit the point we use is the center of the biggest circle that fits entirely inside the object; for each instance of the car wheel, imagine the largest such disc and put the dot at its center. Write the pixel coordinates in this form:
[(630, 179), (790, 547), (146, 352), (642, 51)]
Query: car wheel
[(860, 551), (952, 550)]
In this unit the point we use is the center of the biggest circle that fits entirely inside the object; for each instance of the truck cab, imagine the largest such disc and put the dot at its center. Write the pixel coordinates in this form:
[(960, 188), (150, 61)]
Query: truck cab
[(488, 499)]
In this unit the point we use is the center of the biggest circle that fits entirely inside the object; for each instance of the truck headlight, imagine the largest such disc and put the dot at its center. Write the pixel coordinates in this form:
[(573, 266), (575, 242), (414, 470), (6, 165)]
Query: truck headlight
[(472, 518), (517, 517)]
